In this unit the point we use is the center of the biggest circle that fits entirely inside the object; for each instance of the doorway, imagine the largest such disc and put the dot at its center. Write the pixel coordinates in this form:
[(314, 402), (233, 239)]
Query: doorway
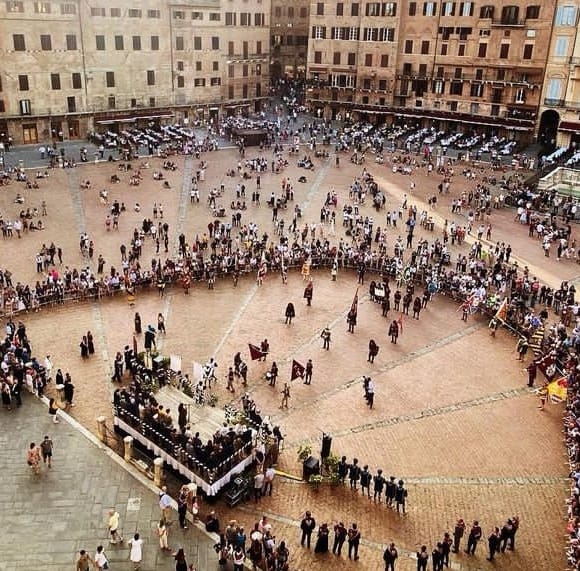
[(29, 134)]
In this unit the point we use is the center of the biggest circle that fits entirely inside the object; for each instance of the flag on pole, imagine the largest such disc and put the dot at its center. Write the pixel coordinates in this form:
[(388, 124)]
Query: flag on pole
[(400, 322), (354, 305), (255, 352), (501, 312), (547, 365), (297, 370), (558, 390)]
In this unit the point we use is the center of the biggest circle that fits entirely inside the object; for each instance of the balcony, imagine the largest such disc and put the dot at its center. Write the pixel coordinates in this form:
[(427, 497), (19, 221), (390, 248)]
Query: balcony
[(572, 104), (507, 23), (574, 60), (548, 102)]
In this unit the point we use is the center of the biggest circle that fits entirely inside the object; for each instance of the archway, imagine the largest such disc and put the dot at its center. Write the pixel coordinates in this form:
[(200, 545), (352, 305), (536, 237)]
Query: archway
[(549, 128)]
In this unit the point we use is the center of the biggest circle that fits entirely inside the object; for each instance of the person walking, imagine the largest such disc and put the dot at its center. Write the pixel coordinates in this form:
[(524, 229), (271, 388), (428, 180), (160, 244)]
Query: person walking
[(325, 335), (90, 343), (101, 561), (163, 535), (113, 526), (307, 525), (309, 292), (180, 561), (475, 534), (33, 458), (458, 533), (46, 447), (137, 321), (373, 351), (136, 553), (182, 500), (165, 505), (161, 324), (69, 390), (340, 533), (353, 541), (394, 331), (285, 396), (493, 543), (390, 556), (238, 558), (84, 561), (290, 313), (53, 410), (505, 534), (268, 481), (308, 372), (351, 320), (422, 558)]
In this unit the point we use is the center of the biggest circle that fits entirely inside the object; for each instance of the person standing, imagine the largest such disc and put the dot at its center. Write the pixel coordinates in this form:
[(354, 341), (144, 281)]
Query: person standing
[(390, 556), (161, 324), (340, 533), (33, 457), (422, 558), (46, 448), (401, 496), (322, 539), (69, 390), (258, 485), (308, 372), (163, 535), (458, 534), (512, 537), (90, 343), (351, 320), (394, 331), (354, 473), (532, 370), (182, 500), (238, 558), (378, 485), (285, 396), (268, 481), (137, 321), (309, 292), (505, 534), (180, 561), (493, 543), (136, 553), (53, 410), (307, 525), (446, 547), (473, 538), (373, 351), (84, 346), (365, 481), (113, 525), (370, 392), (290, 313), (165, 505), (437, 557), (230, 378), (391, 488), (325, 335), (353, 541)]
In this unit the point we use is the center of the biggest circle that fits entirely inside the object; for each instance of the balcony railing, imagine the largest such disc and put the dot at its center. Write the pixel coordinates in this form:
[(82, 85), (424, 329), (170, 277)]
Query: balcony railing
[(508, 22), (548, 102)]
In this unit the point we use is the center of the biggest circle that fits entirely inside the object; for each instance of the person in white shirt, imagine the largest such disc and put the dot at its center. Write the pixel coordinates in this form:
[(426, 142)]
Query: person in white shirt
[(101, 561), (136, 554)]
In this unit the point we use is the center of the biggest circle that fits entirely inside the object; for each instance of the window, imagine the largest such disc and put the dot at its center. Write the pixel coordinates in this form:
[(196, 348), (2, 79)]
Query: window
[(366, 83), (479, 74), (180, 81), (152, 102), (110, 78), (425, 47), (476, 90), (566, 16), (178, 15), (440, 71), (500, 74), (42, 7), (466, 9), (482, 50), (474, 108), (446, 32), (339, 9), (115, 12), (353, 34), (528, 51), (486, 12), (215, 81), (199, 82), (384, 60), (504, 51), (317, 57), (55, 81), (258, 47), (111, 102), (155, 43), (561, 46), (100, 43), (71, 42), (245, 70), (373, 9), (197, 66), (354, 9), (137, 43), (456, 88), (197, 15), (45, 42), (215, 16), (259, 20), (98, 12), (197, 43), (76, 81), (429, 9), (154, 14), (520, 96), (319, 32), (408, 46), (23, 83), (368, 60), (461, 50), (119, 43), (553, 92), (320, 8), (438, 86), (12, 6), (19, 43), (510, 14), (215, 65), (351, 59), (532, 12), (180, 66), (444, 49), (71, 104), (230, 18), (458, 73), (412, 8), (336, 58), (464, 33), (303, 12), (132, 13), (448, 9), (150, 77), (68, 9), (215, 43), (179, 43), (382, 84), (389, 9), (245, 91), (387, 34), (291, 12)]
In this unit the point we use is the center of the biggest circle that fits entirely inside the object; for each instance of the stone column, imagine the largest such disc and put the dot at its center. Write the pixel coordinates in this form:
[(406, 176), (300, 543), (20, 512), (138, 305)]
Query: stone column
[(60, 395), (158, 471), (128, 440), (101, 428)]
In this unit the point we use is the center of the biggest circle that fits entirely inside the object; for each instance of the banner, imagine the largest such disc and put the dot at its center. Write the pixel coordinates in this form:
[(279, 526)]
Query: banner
[(297, 370), (255, 352), (547, 365), (501, 313), (354, 305), (558, 390)]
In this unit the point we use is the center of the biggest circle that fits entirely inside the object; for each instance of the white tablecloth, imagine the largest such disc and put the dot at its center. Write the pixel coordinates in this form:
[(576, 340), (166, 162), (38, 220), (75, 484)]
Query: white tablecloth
[(210, 489)]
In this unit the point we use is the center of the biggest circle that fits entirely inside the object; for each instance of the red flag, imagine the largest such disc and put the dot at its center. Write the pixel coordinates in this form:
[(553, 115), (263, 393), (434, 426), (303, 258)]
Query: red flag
[(400, 322), (354, 305), (255, 352), (547, 365), (297, 370)]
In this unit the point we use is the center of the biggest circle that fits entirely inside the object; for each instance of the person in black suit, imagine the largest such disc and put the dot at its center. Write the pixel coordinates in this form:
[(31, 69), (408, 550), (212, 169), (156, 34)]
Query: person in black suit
[(307, 525)]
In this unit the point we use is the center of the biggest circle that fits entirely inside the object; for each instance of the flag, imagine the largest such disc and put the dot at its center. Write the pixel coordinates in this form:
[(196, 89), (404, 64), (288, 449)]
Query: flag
[(536, 340), (547, 365), (468, 304), (400, 322), (354, 305), (501, 312), (297, 370), (255, 352), (558, 390)]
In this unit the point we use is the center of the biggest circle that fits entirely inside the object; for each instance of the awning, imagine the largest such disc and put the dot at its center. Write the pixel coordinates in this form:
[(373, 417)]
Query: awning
[(569, 126)]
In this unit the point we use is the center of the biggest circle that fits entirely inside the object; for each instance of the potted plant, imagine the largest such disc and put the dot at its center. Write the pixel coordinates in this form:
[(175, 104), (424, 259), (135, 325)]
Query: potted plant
[(314, 481), (304, 451)]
